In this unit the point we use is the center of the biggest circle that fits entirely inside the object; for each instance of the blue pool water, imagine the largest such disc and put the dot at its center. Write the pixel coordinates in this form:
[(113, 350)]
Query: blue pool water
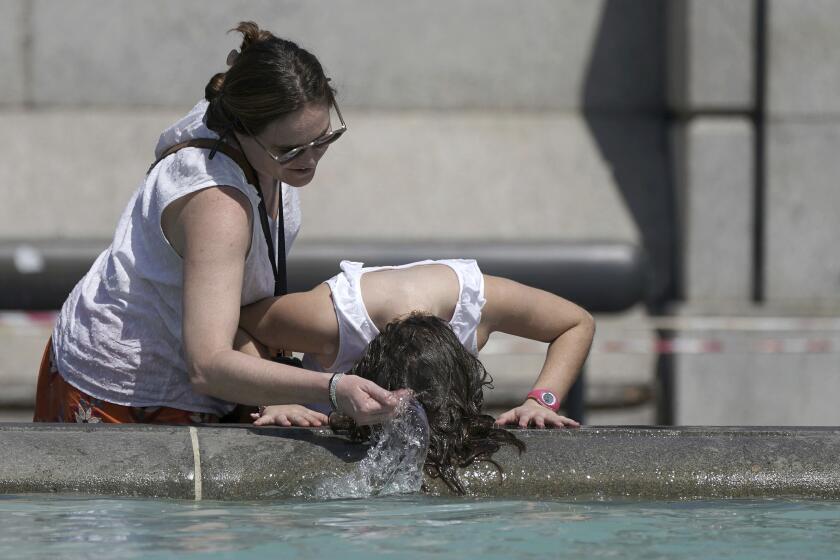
[(415, 526)]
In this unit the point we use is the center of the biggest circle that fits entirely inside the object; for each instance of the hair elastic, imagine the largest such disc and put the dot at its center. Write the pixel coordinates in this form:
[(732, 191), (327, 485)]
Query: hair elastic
[(232, 57)]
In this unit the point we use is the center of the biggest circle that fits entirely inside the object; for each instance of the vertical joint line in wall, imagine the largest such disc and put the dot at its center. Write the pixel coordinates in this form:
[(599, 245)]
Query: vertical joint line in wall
[(760, 150), (196, 463), (27, 77)]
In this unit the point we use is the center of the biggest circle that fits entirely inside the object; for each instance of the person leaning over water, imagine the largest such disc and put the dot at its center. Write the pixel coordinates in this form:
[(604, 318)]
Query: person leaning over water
[(335, 322), (425, 354), (148, 334)]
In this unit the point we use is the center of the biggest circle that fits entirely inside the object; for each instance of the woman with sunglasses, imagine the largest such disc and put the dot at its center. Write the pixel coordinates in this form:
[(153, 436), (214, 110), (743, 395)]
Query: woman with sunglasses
[(148, 335)]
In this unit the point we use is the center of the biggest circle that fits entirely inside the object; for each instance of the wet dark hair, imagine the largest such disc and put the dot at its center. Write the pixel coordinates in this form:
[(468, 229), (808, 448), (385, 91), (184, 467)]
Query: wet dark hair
[(269, 77), (420, 352)]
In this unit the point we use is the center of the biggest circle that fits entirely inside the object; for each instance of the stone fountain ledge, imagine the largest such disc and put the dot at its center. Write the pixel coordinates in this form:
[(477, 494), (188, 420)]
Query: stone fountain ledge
[(248, 463)]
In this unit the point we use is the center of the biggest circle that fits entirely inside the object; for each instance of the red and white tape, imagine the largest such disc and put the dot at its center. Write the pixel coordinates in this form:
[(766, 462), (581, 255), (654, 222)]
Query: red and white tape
[(825, 340), (705, 345), (683, 345)]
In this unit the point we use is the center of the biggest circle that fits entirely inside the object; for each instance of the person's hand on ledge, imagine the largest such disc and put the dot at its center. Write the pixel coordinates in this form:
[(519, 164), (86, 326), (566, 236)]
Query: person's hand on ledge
[(289, 415), (531, 413)]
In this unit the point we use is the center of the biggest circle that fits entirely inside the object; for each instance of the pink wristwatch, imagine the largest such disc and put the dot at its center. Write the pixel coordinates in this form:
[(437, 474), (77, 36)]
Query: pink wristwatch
[(545, 398)]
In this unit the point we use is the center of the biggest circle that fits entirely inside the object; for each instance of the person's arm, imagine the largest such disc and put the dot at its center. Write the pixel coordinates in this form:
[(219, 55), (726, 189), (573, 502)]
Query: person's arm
[(212, 232), (276, 414), (520, 310), (302, 322)]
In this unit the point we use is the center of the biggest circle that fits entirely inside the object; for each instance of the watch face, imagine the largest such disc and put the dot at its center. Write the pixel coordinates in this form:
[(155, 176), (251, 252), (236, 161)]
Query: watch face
[(545, 398)]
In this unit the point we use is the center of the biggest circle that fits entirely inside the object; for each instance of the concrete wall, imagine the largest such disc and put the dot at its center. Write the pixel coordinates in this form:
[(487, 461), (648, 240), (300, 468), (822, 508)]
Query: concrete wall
[(12, 40), (760, 378), (465, 54), (803, 105), (714, 176), (714, 61), (721, 130), (632, 120), (475, 119), (711, 67), (710, 55), (503, 85), (469, 119)]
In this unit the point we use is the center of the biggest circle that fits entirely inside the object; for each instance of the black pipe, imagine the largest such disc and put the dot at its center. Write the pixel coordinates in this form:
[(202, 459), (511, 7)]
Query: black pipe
[(599, 276), (760, 150)]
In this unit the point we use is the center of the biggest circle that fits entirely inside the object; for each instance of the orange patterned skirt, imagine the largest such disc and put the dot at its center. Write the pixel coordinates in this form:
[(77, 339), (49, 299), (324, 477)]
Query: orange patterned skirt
[(58, 401)]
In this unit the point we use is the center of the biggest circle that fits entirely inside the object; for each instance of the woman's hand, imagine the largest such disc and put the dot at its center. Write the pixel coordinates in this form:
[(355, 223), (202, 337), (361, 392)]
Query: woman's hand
[(289, 415), (531, 413), (363, 400)]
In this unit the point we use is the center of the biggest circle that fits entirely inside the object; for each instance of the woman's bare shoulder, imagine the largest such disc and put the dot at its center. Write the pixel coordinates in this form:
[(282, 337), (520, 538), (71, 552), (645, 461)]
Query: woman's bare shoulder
[(220, 206)]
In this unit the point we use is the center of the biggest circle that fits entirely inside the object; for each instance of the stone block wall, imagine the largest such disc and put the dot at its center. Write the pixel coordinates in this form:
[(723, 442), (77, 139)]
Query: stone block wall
[(714, 174), (468, 119), (711, 55), (12, 40), (790, 114), (463, 54), (803, 139), (633, 120), (752, 82), (711, 67), (751, 385)]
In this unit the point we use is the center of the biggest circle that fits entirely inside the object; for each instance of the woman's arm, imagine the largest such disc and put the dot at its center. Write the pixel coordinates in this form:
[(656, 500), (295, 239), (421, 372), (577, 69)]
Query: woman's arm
[(520, 310), (212, 233)]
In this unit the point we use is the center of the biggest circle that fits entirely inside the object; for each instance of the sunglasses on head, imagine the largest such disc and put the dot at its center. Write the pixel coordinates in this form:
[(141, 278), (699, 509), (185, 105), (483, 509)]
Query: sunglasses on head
[(288, 155)]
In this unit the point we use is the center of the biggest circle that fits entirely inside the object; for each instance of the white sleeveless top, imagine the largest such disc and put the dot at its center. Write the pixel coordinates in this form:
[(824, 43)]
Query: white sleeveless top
[(357, 330), (118, 335)]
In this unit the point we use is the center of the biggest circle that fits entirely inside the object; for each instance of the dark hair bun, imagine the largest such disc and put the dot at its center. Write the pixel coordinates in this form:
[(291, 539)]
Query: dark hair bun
[(214, 86)]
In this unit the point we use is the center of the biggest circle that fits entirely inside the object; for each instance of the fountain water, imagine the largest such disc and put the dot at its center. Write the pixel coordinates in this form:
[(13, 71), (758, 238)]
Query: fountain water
[(394, 464)]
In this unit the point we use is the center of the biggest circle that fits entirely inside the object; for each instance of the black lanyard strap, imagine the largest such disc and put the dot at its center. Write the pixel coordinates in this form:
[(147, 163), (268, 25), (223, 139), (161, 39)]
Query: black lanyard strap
[(275, 257), (278, 263)]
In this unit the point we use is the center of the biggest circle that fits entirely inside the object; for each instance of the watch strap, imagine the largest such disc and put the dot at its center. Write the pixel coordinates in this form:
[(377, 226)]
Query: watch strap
[(546, 398)]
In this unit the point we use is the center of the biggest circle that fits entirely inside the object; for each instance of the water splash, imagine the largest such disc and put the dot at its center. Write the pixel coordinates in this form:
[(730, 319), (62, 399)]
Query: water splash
[(394, 464)]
